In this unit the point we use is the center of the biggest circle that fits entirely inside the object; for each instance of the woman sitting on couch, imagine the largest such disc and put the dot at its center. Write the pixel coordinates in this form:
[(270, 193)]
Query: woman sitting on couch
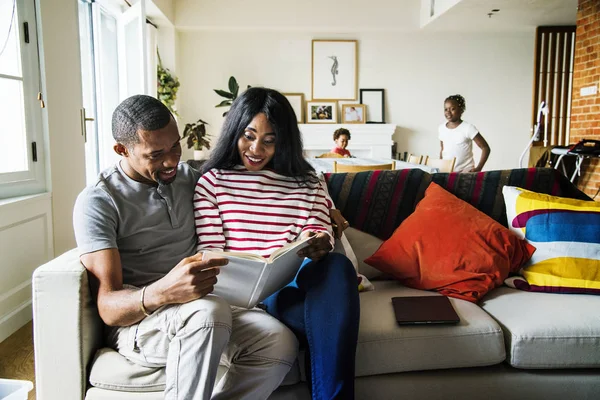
[(259, 193)]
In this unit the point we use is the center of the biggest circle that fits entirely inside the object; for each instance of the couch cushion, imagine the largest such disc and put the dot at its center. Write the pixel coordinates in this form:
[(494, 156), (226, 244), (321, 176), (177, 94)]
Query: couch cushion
[(547, 330), (111, 371), (384, 347), (364, 245)]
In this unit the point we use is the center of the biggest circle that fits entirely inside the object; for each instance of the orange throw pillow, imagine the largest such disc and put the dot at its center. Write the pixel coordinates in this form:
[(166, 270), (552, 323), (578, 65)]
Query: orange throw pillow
[(449, 246)]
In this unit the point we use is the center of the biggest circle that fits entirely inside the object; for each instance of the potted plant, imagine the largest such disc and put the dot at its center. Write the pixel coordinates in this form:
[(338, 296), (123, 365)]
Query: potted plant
[(230, 95), (197, 138), (167, 86)]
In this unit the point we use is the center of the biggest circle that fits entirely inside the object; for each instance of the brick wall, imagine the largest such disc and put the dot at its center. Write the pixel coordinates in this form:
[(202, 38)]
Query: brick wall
[(585, 111)]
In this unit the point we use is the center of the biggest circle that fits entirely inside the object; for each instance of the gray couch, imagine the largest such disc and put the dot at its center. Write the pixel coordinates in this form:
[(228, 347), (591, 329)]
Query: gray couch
[(512, 345)]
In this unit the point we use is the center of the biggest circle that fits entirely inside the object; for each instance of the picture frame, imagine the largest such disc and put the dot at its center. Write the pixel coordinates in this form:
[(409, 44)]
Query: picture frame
[(321, 112), (375, 101), (334, 71), (354, 113), (297, 102)]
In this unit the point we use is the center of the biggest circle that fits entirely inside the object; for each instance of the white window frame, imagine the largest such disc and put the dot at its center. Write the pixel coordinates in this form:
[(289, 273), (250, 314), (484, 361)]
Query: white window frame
[(33, 180)]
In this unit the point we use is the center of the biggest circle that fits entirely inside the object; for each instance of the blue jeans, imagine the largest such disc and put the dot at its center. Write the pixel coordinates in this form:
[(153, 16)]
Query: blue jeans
[(321, 307)]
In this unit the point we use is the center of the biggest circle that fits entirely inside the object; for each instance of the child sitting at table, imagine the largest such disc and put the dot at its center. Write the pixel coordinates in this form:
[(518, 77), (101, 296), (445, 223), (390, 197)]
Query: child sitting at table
[(341, 137)]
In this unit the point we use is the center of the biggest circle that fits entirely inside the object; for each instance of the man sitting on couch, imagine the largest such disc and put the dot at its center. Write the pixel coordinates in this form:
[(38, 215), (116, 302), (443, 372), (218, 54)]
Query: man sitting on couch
[(136, 236)]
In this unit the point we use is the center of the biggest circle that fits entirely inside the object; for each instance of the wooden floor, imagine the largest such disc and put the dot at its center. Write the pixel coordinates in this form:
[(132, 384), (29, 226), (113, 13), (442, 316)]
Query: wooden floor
[(16, 357)]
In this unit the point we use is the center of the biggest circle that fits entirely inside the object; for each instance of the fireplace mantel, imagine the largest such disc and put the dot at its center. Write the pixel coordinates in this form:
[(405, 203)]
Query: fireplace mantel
[(368, 140)]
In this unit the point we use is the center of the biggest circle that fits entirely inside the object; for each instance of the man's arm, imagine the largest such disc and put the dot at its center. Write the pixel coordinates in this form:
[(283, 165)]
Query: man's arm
[(191, 279)]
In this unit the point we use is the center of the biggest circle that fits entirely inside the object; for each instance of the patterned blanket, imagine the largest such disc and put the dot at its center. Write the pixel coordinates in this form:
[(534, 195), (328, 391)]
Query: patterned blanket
[(376, 202)]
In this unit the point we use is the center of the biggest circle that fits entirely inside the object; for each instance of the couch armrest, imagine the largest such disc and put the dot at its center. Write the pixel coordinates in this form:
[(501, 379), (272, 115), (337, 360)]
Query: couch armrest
[(67, 329)]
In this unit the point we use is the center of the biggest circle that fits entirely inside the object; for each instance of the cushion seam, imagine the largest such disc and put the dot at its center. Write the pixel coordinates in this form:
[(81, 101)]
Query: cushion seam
[(492, 333)]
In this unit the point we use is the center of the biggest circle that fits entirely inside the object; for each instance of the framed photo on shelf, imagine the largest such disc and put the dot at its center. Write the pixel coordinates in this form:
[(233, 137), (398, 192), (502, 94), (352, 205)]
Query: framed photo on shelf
[(297, 102), (334, 69), (321, 112), (375, 102), (353, 113)]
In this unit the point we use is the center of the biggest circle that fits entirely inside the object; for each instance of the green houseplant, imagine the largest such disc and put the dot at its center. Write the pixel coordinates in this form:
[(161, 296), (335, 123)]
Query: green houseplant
[(197, 137), (230, 95), (167, 86)]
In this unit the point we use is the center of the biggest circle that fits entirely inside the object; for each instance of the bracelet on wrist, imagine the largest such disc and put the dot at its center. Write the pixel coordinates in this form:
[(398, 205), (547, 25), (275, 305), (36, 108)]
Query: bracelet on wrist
[(142, 307)]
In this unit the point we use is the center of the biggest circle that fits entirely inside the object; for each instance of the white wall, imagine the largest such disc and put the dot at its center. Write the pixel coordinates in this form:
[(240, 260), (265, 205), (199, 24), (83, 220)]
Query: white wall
[(306, 15), (417, 69), (25, 243), (36, 228)]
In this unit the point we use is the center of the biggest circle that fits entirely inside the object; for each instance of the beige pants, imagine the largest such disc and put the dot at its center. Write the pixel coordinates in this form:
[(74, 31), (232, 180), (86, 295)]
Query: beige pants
[(192, 339)]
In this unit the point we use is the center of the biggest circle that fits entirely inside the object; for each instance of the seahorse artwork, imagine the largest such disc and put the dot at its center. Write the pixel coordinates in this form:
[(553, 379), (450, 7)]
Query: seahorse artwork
[(334, 69)]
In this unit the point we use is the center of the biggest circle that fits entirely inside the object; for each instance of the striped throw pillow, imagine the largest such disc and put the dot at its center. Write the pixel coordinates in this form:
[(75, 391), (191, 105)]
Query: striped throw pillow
[(566, 234)]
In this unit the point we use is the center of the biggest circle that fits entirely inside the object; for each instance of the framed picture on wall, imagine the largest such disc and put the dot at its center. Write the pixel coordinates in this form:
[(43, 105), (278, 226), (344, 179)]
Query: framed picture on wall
[(334, 69), (374, 100), (297, 102), (321, 112), (353, 113)]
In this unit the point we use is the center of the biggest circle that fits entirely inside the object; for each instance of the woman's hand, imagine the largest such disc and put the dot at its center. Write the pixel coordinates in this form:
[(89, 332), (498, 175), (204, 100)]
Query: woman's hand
[(338, 222), (318, 246)]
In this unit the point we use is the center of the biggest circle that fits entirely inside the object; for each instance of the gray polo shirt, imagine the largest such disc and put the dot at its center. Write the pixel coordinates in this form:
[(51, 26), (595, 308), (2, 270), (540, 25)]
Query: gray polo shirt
[(151, 226)]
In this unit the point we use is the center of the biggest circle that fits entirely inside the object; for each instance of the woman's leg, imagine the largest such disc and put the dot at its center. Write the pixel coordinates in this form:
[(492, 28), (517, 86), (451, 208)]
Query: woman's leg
[(322, 303)]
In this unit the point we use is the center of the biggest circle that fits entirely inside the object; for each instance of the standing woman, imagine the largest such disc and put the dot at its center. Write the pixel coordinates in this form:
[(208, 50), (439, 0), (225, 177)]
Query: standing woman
[(257, 194), (457, 137)]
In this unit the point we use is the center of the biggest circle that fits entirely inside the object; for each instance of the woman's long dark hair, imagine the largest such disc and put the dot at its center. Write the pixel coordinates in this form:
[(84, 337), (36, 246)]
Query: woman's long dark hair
[(288, 159)]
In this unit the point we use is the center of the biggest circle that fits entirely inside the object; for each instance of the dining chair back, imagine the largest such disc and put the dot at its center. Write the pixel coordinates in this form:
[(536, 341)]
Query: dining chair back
[(441, 164), (340, 167)]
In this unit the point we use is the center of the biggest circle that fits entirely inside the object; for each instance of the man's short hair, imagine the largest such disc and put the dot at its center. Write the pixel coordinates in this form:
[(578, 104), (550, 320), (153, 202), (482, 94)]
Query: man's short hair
[(139, 112)]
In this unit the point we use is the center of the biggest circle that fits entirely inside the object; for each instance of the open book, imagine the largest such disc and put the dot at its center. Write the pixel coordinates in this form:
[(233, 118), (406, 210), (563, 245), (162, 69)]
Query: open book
[(249, 278)]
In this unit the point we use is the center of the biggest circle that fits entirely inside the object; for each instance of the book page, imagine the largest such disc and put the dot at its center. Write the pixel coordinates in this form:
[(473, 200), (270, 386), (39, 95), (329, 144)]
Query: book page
[(249, 278), (240, 254), (280, 272), (295, 246), (237, 281)]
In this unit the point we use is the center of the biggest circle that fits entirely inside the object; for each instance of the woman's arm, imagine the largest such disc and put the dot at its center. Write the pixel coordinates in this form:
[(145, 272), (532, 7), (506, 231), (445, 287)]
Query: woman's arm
[(338, 222), (209, 226), (485, 152), (441, 149), (318, 225)]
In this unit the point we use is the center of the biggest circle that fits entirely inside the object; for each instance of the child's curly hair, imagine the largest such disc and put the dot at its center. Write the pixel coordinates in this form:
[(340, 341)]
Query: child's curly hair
[(340, 132), (460, 101)]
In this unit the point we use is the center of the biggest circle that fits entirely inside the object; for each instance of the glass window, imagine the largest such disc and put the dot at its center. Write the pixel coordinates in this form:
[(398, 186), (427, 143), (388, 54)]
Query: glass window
[(20, 110)]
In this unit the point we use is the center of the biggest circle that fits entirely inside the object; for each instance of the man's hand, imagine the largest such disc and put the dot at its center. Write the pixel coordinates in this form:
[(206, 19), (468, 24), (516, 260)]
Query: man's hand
[(318, 246), (189, 280), (338, 222)]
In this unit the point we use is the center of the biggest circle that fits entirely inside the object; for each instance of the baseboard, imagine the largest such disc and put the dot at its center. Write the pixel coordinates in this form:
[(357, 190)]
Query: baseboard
[(13, 321)]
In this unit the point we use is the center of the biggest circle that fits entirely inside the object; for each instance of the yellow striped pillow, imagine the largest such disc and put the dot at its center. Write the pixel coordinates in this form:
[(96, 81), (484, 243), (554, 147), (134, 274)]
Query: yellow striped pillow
[(566, 234)]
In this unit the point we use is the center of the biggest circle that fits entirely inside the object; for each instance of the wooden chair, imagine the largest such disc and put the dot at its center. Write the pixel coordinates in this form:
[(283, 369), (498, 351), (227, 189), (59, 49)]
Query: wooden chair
[(329, 155), (414, 159), (360, 168), (441, 165)]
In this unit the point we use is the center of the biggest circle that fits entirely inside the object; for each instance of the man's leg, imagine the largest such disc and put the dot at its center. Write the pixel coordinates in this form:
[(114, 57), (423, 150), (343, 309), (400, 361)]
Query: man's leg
[(188, 338), (260, 353)]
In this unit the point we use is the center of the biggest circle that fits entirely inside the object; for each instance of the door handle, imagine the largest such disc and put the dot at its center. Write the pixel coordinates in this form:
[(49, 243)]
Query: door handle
[(84, 119)]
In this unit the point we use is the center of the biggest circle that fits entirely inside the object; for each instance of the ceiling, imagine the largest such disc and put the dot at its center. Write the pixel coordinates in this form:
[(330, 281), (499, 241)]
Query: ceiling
[(514, 15)]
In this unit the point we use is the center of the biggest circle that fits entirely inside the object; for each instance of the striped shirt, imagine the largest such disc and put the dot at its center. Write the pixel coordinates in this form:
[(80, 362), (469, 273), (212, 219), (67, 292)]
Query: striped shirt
[(256, 212)]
